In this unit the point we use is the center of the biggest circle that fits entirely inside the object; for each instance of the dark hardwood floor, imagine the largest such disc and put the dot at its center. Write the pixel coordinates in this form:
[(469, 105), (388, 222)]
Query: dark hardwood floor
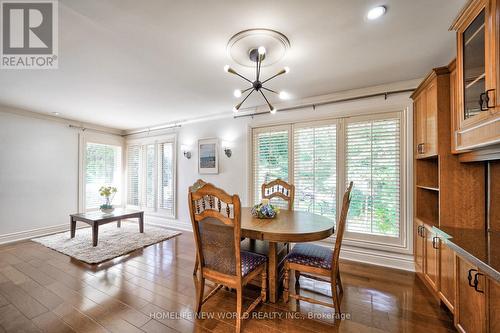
[(152, 290)]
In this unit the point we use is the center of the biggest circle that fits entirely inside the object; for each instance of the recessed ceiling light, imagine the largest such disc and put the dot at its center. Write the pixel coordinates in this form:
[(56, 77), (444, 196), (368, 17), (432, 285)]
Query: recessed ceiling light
[(376, 12), (56, 113)]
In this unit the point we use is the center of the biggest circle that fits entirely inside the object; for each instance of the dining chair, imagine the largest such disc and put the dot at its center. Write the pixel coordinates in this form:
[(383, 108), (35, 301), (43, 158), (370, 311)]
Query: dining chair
[(279, 189), (216, 219), (319, 261)]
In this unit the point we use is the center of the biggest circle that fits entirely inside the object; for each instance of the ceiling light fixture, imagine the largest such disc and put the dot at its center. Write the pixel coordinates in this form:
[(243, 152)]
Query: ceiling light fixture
[(257, 55), (376, 12)]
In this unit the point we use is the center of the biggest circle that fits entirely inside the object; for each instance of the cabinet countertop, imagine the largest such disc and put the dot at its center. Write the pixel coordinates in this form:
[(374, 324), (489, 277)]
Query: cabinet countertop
[(480, 247)]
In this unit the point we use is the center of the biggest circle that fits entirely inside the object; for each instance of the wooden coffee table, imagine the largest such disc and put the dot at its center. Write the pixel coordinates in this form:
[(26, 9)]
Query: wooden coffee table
[(97, 218)]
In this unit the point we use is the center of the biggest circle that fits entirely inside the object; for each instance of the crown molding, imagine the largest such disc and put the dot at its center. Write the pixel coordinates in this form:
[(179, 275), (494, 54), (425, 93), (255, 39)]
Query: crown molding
[(60, 120)]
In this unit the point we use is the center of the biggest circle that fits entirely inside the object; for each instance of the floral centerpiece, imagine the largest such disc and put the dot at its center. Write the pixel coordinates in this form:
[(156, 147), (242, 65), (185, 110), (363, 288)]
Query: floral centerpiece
[(108, 193), (265, 210)]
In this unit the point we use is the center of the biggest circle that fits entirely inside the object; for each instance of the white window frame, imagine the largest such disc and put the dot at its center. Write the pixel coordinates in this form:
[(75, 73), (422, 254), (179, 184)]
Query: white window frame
[(105, 139), (156, 141), (401, 244), (360, 239)]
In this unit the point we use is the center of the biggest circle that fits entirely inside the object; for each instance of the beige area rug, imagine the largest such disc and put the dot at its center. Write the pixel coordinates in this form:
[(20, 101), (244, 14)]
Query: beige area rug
[(112, 241)]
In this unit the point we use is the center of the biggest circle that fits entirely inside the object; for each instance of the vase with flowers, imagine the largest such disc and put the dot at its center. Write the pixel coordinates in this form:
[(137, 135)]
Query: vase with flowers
[(265, 210), (108, 193)]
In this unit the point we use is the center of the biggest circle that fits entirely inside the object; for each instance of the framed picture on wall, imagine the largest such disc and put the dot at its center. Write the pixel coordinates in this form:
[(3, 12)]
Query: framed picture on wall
[(208, 156)]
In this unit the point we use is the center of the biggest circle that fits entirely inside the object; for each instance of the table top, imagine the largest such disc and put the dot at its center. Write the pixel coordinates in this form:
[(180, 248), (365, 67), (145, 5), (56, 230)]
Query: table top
[(98, 215), (288, 226)]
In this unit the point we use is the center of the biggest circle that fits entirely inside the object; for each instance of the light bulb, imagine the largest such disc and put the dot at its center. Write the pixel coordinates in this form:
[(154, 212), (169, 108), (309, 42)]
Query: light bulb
[(287, 69), (235, 110), (376, 12), (226, 68), (284, 95), (237, 93), (261, 50), (273, 110)]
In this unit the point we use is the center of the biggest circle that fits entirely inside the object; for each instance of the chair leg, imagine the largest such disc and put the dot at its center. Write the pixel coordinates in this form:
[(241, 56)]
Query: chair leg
[(201, 291), (263, 290), (286, 282), (195, 270), (336, 301), (339, 283), (239, 308), (297, 277)]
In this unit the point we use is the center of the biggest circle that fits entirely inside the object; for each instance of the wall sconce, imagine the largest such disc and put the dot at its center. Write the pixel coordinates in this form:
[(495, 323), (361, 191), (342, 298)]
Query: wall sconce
[(186, 151), (227, 148)]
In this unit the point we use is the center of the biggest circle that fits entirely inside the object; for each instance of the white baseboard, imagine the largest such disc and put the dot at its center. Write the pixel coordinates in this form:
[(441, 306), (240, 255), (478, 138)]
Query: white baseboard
[(167, 223), (379, 258), (34, 233)]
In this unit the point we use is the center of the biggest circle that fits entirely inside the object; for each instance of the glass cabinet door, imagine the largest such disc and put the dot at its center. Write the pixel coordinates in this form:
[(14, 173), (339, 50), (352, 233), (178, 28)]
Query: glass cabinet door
[(473, 44)]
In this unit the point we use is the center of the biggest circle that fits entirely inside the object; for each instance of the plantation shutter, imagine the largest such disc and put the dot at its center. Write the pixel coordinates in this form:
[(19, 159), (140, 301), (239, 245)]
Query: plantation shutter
[(133, 171), (102, 168), (373, 163), (166, 178), (150, 176), (270, 157), (315, 169)]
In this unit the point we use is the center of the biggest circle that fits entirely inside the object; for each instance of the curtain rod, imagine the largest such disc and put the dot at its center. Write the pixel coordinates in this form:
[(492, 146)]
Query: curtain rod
[(314, 105), (152, 130), (93, 130)]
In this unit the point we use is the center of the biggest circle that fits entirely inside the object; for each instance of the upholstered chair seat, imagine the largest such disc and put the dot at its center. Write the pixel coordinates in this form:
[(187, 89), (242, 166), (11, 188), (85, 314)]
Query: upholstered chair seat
[(250, 261), (311, 255)]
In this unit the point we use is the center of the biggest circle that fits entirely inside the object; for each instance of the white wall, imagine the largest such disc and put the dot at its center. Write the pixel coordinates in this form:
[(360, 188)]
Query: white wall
[(38, 174), (232, 171)]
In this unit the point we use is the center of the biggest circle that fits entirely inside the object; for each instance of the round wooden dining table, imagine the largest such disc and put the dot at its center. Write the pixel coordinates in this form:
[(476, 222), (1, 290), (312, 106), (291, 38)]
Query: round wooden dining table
[(270, 237)]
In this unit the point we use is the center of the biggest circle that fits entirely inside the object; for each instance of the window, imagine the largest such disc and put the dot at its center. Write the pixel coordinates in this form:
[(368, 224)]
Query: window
[(320, 157), (103, 167), (372, 162), (315, 168), (133, 172), (270, 158), (167, 188), (151, 176)]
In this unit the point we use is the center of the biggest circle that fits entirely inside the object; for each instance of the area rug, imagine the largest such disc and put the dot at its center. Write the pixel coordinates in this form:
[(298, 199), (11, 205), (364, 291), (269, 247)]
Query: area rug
[(112, 241)]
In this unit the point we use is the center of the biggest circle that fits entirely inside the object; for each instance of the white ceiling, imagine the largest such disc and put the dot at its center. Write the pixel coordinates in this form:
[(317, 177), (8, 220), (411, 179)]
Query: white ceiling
[(130, 64)]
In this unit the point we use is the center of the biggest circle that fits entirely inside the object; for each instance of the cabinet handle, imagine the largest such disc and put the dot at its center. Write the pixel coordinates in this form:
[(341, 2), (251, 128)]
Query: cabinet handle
[(487, 99), (476, 283), (435, 242), (482, 98), (419, 230), (469, 277), (421, 148)]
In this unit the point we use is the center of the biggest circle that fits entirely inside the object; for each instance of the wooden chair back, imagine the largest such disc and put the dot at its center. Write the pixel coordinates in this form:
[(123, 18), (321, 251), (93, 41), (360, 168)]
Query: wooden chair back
[(279, 189), (216, 219), (346, 201)]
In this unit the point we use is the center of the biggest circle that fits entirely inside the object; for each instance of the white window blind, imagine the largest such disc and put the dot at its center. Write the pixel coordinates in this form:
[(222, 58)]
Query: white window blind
[(315, 169), (166, 178), (102, 168), (270, 159), (373, 163), (151, 176), (150, 168), (133, 172)]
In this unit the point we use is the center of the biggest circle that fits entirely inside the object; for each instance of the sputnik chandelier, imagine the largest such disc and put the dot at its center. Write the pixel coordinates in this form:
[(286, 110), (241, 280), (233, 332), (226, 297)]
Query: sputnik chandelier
[(257, 55)]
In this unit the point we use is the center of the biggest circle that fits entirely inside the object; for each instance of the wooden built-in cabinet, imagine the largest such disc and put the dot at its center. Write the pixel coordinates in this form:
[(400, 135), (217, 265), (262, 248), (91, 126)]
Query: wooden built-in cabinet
[(470, 314), (476, 115), (431, 266), (447, 193), (428, 101), (446, 275)]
